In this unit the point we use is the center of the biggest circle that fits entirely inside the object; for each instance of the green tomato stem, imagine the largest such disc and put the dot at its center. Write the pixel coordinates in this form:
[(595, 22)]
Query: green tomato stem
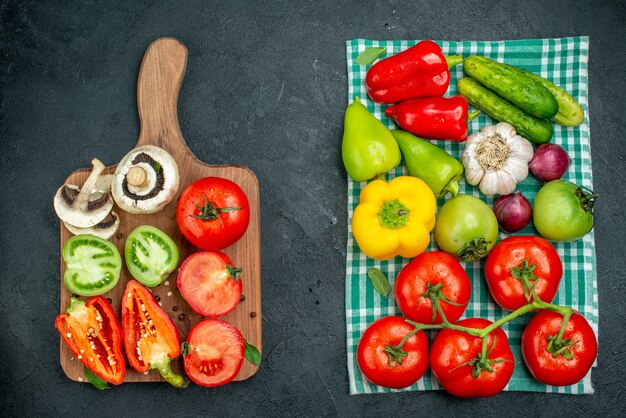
[(483, 333)]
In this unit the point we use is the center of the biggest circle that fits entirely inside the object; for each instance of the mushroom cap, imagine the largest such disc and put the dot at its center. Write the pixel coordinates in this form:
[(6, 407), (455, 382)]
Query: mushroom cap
[(105, 229), (99, 207), (160, 185), (86, 206)]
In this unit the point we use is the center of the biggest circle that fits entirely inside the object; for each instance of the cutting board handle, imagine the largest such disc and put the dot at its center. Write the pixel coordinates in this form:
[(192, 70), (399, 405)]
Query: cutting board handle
[(160, 78)]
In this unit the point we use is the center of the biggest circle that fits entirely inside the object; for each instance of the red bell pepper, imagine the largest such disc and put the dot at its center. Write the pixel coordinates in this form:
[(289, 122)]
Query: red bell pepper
[(151, 339), (92, 332), (420, 71), (433, 117)]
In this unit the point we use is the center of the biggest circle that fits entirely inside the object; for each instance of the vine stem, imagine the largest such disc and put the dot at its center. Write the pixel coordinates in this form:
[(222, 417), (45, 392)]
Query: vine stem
[(484, 333)]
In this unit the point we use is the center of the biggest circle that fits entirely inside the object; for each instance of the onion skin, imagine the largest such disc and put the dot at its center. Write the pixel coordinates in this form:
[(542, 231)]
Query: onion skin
[(513, 212), (550, 162)]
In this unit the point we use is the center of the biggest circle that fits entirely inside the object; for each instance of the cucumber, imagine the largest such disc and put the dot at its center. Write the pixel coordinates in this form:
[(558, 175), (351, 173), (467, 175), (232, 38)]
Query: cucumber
[(534, 129), (519, 89), (570, 112)]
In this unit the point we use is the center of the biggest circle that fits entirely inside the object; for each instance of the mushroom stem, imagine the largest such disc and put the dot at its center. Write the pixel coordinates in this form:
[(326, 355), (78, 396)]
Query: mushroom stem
[(82, 200), (137, 177)]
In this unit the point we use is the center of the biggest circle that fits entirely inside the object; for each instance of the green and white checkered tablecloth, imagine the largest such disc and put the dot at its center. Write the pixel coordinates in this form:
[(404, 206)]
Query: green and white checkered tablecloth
[(563, 61)]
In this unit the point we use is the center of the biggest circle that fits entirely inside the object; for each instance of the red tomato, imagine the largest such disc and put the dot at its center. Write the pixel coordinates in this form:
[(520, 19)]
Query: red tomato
[(213, 213), (92, 332), (452, 349), (432, 268), (374, 362), (210, 283), (559, 370), (508, 258), (213, 353)]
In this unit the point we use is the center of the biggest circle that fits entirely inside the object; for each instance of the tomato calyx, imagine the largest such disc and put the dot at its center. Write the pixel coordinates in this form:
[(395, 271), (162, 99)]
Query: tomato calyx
[(560, 347), (395, 353), (481, 362), (208, 211), (433, 292), (524, 273), (587, 198), (474, 250), (234, 272)]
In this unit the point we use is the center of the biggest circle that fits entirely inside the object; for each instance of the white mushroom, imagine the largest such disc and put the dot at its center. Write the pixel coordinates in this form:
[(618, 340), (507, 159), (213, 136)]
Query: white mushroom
[(105, 229), (86, 206), (145, 180)]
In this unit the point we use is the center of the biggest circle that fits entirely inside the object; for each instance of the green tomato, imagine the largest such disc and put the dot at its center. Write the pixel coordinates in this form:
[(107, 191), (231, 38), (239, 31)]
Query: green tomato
[(563, 211), (93, 265), (466, 228), (151, 255)]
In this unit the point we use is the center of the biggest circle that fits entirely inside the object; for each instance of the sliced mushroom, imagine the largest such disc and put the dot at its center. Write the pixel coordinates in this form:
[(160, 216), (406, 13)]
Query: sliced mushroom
[(105, 229), (86, 206), (145, 180)]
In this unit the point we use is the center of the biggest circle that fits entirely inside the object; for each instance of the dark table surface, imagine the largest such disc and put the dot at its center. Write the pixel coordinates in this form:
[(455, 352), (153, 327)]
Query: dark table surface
[(265, 87)]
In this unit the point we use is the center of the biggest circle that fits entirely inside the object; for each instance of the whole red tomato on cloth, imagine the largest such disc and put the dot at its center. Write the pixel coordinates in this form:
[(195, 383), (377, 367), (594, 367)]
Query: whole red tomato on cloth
[(433, 274), (213, 353), (213, 213), (558, 363), (210, 283), (92, 332), (518, 264), (385, 366), (455, 359)]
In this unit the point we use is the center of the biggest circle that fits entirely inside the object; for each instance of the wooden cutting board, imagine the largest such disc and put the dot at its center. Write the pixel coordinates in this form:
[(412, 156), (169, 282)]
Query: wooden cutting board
[(160, 78)]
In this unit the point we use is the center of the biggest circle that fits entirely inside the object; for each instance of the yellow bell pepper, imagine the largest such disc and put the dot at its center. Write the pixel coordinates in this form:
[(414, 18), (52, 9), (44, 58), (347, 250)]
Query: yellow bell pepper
[(394, 218)]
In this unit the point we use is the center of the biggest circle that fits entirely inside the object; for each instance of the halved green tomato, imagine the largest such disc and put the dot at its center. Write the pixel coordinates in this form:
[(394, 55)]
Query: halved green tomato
[(93, 265), (151, 255)]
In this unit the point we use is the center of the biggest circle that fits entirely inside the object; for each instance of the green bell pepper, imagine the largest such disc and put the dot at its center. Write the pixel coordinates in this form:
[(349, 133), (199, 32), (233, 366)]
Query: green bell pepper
[(368, 148), (426, 161)]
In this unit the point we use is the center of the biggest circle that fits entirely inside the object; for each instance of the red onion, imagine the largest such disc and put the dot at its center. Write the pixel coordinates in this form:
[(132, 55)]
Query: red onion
[(550, 162), (513, 212)]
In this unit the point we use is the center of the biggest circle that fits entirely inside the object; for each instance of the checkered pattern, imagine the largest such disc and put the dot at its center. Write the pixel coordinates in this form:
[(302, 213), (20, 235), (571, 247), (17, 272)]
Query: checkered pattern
[(563, 61)]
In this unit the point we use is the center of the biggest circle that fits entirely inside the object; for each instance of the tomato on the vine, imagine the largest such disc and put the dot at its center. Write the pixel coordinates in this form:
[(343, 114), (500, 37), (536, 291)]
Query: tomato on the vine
[(558, 361), (521, 263), (435, 275), (213, 213), (456, 361), (383, 363)]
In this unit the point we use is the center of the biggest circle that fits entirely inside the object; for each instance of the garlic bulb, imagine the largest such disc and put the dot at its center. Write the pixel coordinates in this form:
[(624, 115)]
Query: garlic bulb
[(496, 159)]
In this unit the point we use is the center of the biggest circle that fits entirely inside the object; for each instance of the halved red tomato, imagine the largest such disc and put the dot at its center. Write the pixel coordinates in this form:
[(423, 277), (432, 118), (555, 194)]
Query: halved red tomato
[(210, 284), (91, 330), (213, 353)]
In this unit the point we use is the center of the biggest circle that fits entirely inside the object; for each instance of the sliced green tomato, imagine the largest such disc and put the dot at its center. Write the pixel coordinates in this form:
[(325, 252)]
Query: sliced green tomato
[(93, 265), (150, 255)]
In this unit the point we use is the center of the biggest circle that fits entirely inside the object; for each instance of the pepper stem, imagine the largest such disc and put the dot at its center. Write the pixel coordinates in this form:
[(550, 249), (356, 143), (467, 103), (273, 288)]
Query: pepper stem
[(393, 214), (172, 378), (472, 115), (452, 187), (453, 60)]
